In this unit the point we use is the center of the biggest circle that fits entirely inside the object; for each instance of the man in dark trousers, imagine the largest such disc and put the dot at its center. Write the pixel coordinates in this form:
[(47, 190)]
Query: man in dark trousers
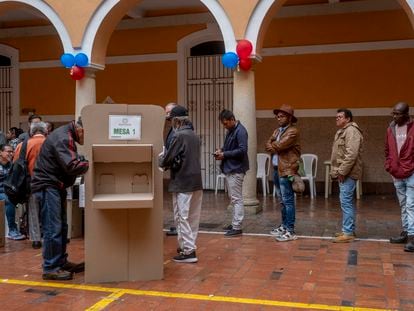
[(57, 167), (167, 143), (399, 162)]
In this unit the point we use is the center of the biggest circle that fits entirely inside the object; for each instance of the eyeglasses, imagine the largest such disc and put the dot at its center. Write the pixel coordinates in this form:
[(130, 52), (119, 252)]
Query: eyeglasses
[(397, 113), (340, 117)]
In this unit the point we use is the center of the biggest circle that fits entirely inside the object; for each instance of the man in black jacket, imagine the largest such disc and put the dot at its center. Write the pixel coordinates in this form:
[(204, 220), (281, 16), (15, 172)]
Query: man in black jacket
[(57, 167), (183, 159)]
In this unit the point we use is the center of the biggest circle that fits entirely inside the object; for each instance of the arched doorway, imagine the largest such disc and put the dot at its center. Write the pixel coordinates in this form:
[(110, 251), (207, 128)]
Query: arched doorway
[(9, 87)]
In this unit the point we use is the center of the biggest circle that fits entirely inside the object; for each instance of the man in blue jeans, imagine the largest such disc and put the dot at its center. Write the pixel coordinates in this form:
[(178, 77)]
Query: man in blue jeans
[(346, 167), (6, 156), (57, 167), (399, 162), (285, 149)]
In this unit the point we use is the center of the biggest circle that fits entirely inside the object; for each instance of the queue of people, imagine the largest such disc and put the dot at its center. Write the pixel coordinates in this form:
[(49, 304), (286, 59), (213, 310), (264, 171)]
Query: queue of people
[(54, 164)]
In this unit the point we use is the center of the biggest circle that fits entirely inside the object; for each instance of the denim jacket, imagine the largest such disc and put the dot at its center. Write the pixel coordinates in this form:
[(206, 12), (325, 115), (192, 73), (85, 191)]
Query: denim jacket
[(235, 147)]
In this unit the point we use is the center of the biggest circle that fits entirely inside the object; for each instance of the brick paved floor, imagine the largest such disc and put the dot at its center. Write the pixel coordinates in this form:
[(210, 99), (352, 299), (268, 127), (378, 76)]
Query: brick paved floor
[(243, 273)]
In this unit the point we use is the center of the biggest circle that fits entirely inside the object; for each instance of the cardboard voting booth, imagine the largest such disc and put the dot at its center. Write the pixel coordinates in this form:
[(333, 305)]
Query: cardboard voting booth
[(123, 193)]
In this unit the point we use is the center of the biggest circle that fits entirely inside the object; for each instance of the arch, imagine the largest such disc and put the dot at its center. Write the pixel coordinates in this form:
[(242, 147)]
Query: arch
[(211, 33), (53, 17), (265, 10), (13, 54), (92, 48)]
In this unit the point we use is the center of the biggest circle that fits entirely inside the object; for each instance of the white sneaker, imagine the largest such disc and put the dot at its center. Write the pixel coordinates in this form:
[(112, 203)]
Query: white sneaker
[(15, 235), (287, 236), (279, 231)]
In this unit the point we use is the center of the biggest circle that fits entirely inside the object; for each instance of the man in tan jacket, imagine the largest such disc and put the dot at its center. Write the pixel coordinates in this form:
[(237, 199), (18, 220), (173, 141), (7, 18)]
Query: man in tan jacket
[(346, 167), (285, 149)]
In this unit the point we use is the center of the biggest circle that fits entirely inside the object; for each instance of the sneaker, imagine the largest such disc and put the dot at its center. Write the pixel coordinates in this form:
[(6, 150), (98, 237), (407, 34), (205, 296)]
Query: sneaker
[(172, 232), (233, 232), (344, 238), (279, 231), (16, 235), (402, 238), (287, 236), (227, 227), (60, 275), (74, 267), (341, 233), (190, 258)]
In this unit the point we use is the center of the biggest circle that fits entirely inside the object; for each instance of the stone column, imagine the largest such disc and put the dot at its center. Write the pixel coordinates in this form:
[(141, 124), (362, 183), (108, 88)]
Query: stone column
[(85, 91), (244, 108)]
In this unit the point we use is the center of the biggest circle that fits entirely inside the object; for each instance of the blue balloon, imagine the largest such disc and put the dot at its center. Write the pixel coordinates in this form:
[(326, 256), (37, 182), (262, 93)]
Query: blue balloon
[(67, 60), (81, 60), (230, 60)]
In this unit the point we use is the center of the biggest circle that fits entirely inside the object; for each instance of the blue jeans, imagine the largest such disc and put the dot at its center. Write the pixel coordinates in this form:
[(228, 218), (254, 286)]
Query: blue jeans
[(276, 183), (405, 193), (346, 197), (54, 226), (288, 208), (10, 212)]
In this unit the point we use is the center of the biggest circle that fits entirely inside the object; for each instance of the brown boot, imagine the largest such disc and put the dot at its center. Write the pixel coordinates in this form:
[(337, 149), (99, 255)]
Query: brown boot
[(409, 247), (345, 238), (402, 238)]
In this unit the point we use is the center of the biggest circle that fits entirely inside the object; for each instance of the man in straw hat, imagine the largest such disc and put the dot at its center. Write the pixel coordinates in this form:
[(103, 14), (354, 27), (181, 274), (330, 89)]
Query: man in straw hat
[(285, 149)]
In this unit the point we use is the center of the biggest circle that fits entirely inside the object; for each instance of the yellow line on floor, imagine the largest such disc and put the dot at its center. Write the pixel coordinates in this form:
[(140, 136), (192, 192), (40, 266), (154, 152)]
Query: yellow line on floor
[(135, 292), (102, 304)]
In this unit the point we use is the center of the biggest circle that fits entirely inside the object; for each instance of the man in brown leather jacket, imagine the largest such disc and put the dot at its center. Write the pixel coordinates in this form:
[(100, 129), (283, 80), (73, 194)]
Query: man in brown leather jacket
[(285, 149)]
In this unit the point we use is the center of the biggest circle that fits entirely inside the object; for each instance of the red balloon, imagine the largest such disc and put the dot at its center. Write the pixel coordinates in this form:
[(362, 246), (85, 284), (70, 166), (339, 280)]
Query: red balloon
[(245, 64), (77, 73), (244, 48)]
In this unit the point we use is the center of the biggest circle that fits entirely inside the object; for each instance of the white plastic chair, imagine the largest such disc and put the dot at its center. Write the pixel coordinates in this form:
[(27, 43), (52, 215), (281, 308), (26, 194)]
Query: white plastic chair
[(263, 169), (310, 166), (220, 176)]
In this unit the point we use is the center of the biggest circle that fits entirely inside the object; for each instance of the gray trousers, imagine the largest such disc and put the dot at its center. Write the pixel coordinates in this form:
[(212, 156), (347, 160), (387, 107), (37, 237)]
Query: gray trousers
[(235, 187), (187, 210), (34, 223)]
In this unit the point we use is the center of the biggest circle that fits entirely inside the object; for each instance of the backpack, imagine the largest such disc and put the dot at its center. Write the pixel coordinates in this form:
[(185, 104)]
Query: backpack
[(17, 183)]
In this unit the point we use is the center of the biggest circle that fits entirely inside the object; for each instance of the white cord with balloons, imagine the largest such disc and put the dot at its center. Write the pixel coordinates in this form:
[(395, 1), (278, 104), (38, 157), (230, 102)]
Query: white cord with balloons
[(244, 49), (75, 63)]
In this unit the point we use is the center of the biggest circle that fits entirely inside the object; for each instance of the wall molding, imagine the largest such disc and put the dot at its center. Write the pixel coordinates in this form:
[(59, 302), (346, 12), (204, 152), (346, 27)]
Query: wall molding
[(267, 52)]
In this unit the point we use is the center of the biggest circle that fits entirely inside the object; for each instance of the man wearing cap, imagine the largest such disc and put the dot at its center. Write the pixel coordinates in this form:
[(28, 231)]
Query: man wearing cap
[(346, 167), (234, 164), (285, 149), (183, 159)]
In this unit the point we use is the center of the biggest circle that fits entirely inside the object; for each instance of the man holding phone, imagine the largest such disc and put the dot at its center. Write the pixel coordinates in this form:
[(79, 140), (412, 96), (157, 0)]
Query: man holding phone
[(234, 164)]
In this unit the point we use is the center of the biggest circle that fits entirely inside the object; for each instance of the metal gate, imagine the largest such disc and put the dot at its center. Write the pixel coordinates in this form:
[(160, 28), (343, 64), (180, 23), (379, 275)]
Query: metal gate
[(209, 90), (6, 91)]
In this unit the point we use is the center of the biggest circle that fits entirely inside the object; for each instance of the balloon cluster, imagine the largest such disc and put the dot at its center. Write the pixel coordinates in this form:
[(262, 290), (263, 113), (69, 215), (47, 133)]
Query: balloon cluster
[(242, 58), (76, 64)]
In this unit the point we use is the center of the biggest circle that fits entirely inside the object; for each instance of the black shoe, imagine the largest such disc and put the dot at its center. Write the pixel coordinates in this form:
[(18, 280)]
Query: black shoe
[(409, 247), (172, 232), (402, 238), (179, 250), (74, 267), (60, 275), (36, 244), (233, 232), (227, 227), (190, 258)]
